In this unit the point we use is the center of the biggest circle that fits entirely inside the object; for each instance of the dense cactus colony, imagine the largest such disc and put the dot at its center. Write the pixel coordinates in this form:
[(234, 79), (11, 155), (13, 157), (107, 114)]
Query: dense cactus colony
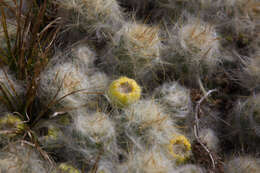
[(117, 86)]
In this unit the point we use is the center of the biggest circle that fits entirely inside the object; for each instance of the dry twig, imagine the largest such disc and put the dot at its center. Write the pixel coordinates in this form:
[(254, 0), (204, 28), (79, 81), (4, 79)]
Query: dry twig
[(196, 126)]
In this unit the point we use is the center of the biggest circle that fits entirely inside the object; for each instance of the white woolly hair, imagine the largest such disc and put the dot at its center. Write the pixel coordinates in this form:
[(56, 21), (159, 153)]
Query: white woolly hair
[(250, 77), (10, 85), (97, 127), (106, 166), (209, 119), (85, 56), (247, 117), (207, 3), (247, 8), (146, 113), (141, 40), (209, 137), (253, 67), (232, 2), (157, 128), (242, 164), (189, 168), (175, 98), (200, 40), (68, 79), (93, 15), (20, 158), (162, 133), (137, 48), (148, 161)]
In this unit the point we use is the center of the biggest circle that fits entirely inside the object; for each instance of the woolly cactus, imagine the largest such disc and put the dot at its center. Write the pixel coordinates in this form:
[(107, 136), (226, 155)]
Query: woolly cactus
[(99, 17), (145, 113), (242, 165), (175, 98), (97, 127), (247, 118), (200, 40), (180, 148), (249, 77), (67, 79), (209, 137), (124, 91), (147, 124), (148, 114), (152, 161), (137, 49), (193, 49), (190, 169), (106, 166), (106, 93), (253, 67), (247, 8), (20, 158), (85, 57)]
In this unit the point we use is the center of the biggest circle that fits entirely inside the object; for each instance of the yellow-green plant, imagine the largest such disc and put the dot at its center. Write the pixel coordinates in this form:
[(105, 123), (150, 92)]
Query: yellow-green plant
[(179, 148), (66, 168), (11, 124), (124, 91)]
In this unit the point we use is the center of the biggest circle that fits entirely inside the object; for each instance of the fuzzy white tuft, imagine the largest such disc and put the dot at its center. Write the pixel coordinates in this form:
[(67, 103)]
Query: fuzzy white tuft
[(96, 127), (147, 113), (20, 158), (246, 8), (102, 17), (250, 78), (190, 169), (175, 97), (137, 49), (242, 165), (13, 89), (152, 161), (80, 88), (208, 137), (106, 166), (200, 40), (85, 56), (156, 127), (247, 118)]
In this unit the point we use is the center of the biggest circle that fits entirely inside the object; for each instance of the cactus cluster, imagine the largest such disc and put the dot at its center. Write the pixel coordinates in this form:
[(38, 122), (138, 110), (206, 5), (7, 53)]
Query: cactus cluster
[(116, 86)]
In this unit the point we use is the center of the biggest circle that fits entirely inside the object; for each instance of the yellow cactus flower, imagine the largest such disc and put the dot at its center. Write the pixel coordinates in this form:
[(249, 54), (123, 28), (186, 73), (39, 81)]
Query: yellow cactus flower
[(11, 122), (53, 133), (66, 168), (179, 148), (124, 91)]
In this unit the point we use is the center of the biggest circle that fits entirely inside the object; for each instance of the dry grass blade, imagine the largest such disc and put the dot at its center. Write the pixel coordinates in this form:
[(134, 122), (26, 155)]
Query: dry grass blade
[(4, 25), (28, 55), (7, 96), (3, 56)]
